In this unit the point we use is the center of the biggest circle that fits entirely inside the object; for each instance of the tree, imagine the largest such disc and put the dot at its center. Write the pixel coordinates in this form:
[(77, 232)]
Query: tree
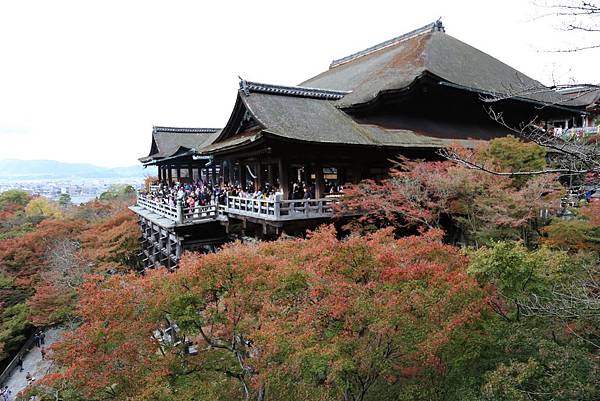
[(340, 319), (483, 207), (13, 196), (42, 207), (64, 199)]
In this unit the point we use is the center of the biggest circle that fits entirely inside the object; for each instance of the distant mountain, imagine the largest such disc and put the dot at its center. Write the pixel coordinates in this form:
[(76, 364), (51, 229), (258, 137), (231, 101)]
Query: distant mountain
[(51, 169)]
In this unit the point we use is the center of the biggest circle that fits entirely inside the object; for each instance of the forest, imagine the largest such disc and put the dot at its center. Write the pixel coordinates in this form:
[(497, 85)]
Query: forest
[(453, 284)]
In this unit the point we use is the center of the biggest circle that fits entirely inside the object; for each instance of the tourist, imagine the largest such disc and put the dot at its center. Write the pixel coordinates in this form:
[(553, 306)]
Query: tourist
[(42, 337), (37, 340), (20, 363), (43, 352)]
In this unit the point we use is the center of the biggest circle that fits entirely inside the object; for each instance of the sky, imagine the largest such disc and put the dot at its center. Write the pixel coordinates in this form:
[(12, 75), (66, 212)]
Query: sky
[(85, 81)]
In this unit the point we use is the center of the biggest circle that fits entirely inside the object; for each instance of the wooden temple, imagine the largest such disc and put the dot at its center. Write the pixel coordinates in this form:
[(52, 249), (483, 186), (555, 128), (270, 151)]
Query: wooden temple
[(408, 96)]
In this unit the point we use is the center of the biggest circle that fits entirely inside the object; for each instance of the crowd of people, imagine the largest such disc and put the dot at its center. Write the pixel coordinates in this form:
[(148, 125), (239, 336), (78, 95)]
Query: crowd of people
[(200, 193)]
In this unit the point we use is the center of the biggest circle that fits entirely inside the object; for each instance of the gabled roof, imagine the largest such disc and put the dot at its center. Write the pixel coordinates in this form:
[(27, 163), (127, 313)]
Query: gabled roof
[(295, 113), (169, 141), (395, 64)]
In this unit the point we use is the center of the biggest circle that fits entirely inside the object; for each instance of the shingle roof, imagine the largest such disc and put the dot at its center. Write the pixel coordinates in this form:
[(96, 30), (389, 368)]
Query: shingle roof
[(395, 64), (168, 141), (306, 119), (586, 95)]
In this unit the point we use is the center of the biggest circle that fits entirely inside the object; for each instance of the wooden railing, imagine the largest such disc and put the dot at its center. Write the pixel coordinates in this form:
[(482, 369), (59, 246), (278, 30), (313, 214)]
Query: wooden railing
[(267, 209), (161, 209), (281, 209)]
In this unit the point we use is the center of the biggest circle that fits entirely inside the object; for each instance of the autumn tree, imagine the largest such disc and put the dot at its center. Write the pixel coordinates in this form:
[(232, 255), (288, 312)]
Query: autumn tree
[(341, 319)]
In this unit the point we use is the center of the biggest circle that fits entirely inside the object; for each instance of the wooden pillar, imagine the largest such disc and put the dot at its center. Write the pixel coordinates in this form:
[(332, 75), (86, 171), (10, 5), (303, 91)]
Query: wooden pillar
[(178, 172), (159, 173), (306, 175), (319, 181), (230, 167), (190, 173), (199, 177), (258, 179), (283, 178), (270, 174), (243, 175), (170, 174)]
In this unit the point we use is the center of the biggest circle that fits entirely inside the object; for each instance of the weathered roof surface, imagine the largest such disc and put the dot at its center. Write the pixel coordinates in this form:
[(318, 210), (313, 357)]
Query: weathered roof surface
[(167, 141), (428, 50), (582, 95), (308, 119)]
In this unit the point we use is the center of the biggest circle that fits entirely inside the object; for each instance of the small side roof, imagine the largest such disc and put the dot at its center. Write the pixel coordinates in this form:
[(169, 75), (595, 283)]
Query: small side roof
[(169, 141)]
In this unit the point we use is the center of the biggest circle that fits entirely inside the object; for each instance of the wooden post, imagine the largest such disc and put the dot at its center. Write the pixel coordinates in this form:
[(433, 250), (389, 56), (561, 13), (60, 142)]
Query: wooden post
[(190, 173), (283, 178), (277, 206), (270, 174), (319, 181), (178, 172), (258, 179), (170, 174), (180, 211), (230, 172), (243, 175)]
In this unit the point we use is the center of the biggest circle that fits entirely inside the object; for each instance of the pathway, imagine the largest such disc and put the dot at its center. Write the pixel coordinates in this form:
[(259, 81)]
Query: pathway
[(32, 363)]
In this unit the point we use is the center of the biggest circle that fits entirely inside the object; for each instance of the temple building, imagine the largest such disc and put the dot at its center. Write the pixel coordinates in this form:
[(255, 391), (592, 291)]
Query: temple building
[(409, 96)]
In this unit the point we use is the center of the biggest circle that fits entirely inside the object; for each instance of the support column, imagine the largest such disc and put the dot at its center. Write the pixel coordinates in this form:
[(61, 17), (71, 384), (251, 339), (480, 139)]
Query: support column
[(319, 181), (270, 174), (243, 173), (170, 174), (258, 179), (283, 178), (191, 173), (160, 177), (230, 167), (178, 172)]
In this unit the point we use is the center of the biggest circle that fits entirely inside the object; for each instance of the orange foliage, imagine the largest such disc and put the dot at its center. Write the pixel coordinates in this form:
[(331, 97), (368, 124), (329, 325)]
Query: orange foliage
[(365, 307)]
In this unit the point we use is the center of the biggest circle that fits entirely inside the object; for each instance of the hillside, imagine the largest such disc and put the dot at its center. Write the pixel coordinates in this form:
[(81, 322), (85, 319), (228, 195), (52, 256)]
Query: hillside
[(51, 169)]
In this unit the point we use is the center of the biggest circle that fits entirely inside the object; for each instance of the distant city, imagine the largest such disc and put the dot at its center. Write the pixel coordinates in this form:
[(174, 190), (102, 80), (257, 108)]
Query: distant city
[(83, 182), (80, 190)]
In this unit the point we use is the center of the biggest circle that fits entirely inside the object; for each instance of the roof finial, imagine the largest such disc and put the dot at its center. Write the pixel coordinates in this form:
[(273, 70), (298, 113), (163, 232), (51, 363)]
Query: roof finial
[(244, 86)]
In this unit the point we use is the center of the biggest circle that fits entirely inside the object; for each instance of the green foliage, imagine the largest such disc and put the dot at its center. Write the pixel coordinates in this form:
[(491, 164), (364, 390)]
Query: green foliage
[(15, 323), (117, 191), (512, 154), (14, 196), (64, 199), (516, 272)]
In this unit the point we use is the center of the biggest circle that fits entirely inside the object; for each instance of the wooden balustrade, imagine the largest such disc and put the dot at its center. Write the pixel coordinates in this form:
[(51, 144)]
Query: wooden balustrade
[(277, 209)]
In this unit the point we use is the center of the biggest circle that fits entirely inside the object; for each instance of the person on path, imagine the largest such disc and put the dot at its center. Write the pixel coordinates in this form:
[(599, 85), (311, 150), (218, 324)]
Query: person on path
[(20, 363), (6, 394), (37, 339), (42, 337), (43, 352)]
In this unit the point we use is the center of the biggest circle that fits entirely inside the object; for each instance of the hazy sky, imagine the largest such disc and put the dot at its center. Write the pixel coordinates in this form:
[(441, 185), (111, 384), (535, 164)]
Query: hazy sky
[(84, 81)]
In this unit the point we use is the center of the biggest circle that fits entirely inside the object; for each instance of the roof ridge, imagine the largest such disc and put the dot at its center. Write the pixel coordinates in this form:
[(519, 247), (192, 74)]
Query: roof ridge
[(248, 87), (433, 27), (183, 130)]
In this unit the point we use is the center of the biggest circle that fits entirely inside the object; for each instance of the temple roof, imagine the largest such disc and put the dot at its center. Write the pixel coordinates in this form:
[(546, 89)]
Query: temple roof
[(583, 95), (169, 141), (302, 117), (395, 64)]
